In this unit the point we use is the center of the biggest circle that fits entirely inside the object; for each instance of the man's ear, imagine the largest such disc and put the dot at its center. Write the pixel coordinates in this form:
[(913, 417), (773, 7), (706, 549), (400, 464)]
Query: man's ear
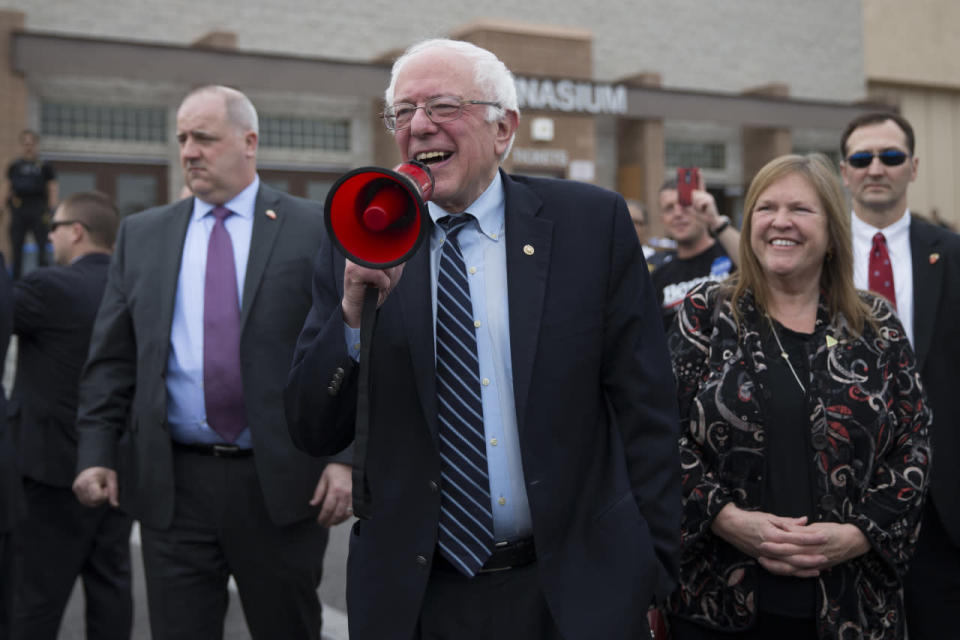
[(506, 128), (77, 233)]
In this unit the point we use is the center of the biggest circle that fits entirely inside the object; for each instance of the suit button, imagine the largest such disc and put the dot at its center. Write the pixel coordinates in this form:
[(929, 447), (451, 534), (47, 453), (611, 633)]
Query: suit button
[(422, 561), (828, 503), (820, 441), (332, 390), (434, 486), (340, 371)]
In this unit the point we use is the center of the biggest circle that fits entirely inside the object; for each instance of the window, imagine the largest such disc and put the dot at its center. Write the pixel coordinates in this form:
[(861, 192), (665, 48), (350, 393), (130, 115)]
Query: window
[(707, 155), (103, 122), (303, 133)]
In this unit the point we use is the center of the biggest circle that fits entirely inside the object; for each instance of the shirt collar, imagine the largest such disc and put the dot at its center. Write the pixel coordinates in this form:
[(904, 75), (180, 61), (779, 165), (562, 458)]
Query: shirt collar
[(863, 232), (241, 204), (487, 209)]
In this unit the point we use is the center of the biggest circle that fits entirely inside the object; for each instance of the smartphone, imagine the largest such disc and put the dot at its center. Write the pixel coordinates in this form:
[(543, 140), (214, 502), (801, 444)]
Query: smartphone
[(688, 179)]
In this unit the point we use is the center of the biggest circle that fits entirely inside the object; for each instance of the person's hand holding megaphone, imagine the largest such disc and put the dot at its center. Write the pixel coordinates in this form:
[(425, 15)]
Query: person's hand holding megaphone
[(355, 280), (377, 218)]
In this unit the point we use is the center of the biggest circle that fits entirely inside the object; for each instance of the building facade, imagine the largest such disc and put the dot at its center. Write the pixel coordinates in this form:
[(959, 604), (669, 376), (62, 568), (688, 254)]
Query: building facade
[(618, 95)]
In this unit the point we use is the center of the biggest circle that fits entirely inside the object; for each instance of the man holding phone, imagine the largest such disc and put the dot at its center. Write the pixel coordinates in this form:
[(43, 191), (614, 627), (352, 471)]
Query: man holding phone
[(707, 243)]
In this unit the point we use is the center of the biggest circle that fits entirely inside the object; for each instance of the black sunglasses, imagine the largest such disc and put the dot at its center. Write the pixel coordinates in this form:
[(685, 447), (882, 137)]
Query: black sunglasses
[(59, 223), (889, 157)]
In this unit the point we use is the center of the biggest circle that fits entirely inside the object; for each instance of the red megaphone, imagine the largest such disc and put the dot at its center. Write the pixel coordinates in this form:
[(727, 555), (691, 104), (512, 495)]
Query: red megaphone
[(375, 216)]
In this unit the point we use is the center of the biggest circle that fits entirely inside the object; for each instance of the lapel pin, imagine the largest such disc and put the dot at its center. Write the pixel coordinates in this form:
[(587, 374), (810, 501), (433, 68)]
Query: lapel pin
[(271, 214), (831, 342), (528, 249), (934, 257)]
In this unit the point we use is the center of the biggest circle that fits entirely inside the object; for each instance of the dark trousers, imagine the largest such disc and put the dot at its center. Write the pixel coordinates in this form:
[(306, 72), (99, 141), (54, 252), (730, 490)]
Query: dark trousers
[(28, 218), (767, 627), (221, 528), (932, 585), (502, 605), (58, 541), (6, 583)]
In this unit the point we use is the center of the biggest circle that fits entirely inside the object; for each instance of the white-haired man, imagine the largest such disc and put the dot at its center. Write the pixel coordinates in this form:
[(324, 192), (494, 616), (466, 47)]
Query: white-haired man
[(180, 419), (522, 459)]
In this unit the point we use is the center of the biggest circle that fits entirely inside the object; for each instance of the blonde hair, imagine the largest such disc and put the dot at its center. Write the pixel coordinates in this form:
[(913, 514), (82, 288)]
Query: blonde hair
[(836, 277)]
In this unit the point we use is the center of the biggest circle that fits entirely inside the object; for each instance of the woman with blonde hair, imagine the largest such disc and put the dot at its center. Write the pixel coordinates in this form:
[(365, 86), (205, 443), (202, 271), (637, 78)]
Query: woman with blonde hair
[(804, 438)]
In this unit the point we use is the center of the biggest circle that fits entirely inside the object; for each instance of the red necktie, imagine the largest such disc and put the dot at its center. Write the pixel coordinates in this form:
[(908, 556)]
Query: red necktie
[(881, 271)]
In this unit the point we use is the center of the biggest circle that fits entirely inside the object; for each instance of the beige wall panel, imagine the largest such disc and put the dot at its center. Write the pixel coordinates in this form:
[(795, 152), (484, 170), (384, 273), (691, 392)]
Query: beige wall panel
[(935, 116), (912, 42)]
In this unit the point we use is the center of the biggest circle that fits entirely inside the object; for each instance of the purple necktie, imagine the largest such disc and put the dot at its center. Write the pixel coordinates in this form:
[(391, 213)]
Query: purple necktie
[(222, 382)]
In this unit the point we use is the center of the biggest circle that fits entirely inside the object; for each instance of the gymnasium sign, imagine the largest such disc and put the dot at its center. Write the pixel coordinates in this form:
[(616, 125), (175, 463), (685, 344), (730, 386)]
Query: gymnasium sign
[(571, 96)]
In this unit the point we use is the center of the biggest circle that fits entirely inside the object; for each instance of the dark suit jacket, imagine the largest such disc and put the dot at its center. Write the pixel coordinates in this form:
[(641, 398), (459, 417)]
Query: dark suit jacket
[(11, 486), (596, 414), (54, 309), (936, 336), (123, 397)]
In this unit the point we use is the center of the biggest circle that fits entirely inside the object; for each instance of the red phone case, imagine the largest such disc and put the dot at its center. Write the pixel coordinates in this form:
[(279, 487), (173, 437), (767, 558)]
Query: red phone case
[(688, 179)]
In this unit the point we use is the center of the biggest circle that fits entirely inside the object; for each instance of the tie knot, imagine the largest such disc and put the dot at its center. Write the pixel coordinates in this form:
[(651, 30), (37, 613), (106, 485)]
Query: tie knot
[(221, 213), (454, 224), (879, 239)]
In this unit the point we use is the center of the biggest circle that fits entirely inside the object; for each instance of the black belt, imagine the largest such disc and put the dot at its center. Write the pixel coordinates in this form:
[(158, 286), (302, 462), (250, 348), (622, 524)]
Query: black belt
[(215, 450), (510, 555)]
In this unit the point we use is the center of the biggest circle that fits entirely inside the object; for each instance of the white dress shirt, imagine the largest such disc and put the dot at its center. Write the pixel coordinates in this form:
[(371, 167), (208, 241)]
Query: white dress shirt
[(901, 259), (483, 244)]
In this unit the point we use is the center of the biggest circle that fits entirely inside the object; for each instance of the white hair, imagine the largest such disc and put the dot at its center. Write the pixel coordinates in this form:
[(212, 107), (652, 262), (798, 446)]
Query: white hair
[(240, 111), (491, 76)]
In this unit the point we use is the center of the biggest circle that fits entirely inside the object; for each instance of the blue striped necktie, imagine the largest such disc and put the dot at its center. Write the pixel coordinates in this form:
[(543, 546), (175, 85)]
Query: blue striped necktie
[(466, 517)]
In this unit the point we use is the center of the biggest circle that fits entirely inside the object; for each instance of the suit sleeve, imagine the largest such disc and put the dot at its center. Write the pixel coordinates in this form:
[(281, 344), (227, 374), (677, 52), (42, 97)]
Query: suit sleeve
[(636, 376), (30, 305), (109, 375), (321, 393)]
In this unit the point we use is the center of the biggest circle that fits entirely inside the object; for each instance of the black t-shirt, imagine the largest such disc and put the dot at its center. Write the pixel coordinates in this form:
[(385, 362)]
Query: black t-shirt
[(787, 485), (673, 279), (28, 181)]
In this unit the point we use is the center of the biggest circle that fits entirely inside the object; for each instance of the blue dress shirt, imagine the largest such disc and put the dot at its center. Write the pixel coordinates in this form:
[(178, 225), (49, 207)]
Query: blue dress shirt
[(484, 251), (186, 411)]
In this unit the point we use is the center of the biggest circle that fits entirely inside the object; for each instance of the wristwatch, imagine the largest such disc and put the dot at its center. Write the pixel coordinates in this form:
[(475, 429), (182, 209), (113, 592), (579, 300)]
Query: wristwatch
[(724, 223)]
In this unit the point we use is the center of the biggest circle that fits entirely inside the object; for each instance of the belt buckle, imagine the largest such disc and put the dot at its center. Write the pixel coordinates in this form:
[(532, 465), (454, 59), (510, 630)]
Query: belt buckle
[(498, 545), (225, 450)]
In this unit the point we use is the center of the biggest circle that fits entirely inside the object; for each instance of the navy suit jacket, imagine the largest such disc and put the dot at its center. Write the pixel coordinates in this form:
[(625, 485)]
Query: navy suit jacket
[(596, 414), (54, 309), (11, 486), (936, 337)]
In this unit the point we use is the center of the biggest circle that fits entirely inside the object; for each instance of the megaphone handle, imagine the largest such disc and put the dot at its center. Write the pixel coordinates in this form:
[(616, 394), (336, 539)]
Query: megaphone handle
[(368, 319)]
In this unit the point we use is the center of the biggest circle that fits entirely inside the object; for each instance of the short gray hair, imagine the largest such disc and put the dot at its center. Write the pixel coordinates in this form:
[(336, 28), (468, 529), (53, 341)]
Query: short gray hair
[(489, 74)]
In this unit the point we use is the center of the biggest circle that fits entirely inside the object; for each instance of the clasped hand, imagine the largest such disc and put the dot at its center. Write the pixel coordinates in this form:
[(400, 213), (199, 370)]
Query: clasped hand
[(789, 546)]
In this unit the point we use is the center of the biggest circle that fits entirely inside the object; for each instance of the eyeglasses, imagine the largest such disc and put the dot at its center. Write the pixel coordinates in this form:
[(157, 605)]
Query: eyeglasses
[(889, 157), (59, 223), (441, 109)]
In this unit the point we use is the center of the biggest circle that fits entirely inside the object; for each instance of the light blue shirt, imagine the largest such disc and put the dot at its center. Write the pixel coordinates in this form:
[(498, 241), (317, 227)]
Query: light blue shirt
[(483, 244), (186, 412)]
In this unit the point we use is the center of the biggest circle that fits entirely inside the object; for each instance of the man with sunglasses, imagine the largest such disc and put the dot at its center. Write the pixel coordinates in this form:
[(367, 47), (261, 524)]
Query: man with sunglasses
[(522, 459), (60, 539), (916, 265)]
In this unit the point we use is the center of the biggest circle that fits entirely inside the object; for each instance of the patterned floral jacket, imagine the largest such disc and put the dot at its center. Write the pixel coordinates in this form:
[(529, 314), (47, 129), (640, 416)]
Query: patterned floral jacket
[(869, 453)]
